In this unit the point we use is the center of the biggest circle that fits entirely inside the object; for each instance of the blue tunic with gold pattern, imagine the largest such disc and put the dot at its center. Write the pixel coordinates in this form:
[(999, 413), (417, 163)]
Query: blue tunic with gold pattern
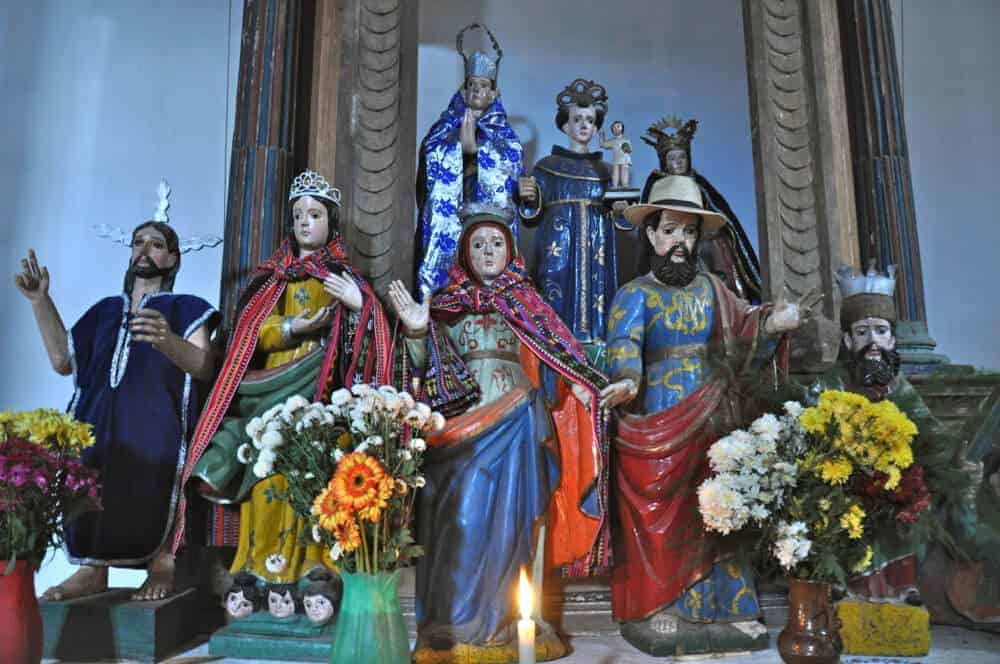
[(658, 335), (574, 266)]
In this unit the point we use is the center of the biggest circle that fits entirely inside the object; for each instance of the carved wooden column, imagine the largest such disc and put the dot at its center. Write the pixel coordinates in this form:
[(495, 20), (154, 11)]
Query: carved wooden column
[(805, 189), (886, 220), (357, 123), (263, 136)]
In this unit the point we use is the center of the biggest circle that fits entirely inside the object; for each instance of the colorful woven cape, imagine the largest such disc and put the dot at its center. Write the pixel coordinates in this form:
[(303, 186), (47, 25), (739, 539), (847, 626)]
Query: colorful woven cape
[(440, 191), (537, 326), (369, 356)]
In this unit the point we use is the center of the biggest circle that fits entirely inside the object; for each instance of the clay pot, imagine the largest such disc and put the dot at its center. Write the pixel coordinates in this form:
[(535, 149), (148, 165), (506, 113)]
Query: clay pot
[(811, 635), (21, 626)]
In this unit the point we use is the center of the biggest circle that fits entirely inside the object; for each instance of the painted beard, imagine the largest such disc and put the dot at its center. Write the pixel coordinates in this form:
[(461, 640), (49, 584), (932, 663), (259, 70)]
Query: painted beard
[(873, 373), (680, 274), (147, 269)]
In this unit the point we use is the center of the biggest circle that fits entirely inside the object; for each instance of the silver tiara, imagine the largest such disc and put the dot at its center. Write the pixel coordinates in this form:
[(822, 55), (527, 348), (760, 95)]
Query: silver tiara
[(313, 184)]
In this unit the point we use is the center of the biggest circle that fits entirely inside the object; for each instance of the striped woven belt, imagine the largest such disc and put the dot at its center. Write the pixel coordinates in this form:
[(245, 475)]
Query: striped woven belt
[(506, 356), (680, 352)]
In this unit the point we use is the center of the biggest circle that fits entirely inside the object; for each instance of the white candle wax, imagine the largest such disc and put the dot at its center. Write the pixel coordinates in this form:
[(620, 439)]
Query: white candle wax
[(526, 641)]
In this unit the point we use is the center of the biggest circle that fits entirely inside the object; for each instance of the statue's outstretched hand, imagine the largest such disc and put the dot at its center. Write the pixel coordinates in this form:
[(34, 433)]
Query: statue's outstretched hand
[(788, 315), (345, 290), (618, 393), (413, 316), (527, 189), (33, 281)]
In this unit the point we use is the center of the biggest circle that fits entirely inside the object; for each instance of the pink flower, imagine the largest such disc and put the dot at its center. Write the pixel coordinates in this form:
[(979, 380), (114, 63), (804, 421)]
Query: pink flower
[(18, 475)]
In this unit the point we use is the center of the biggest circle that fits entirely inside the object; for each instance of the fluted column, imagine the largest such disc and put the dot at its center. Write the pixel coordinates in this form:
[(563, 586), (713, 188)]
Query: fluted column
[(887, 226), (263, 136)]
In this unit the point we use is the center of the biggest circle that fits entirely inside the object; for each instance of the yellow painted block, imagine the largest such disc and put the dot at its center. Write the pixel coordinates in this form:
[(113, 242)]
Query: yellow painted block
[(870, 628)]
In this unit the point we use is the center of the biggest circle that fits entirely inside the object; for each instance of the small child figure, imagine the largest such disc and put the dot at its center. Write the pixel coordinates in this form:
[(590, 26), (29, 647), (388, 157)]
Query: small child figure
[(621, 148)]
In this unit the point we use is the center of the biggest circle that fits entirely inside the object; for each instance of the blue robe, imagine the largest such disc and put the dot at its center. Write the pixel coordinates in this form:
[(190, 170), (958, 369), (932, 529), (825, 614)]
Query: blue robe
[(143, 410), (574, 266)]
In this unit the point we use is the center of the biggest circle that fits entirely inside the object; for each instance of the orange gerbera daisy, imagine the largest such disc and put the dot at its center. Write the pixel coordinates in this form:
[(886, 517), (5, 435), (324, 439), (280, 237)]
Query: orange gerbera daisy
[(331, 514), (357, 481), (374, 511), (349, 535)]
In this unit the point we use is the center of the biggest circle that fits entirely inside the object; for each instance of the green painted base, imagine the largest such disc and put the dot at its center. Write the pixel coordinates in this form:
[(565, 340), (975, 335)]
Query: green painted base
[(111, 626), (234, 641)]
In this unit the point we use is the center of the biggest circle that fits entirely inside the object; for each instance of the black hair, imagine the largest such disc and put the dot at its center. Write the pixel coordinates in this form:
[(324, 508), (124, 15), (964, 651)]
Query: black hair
[(562, 116), (325, 583), (173, 246), (618, 122), (652, 220), (281, 588), (246, 583), (332, 220)]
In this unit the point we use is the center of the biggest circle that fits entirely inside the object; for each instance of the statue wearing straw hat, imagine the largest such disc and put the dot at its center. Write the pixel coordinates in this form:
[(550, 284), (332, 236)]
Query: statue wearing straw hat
[(677, 339)]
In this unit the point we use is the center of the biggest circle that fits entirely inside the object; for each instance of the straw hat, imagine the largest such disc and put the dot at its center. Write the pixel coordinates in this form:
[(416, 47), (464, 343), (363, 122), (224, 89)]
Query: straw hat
[(680, 193)]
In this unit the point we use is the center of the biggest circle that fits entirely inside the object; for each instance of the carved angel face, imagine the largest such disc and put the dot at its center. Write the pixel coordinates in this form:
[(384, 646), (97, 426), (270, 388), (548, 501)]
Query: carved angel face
[(310, 224), (677, 161), (237, 605), (487, 252), (581, 125), (318, 608), (280, 606)]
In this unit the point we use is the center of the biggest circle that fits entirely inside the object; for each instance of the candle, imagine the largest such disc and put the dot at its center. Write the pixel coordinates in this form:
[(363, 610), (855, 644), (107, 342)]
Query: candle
[(525, 626)]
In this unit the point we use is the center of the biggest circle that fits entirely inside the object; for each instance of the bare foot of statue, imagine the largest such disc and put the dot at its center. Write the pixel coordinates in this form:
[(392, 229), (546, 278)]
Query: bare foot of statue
[(87, 580), (160, 580)]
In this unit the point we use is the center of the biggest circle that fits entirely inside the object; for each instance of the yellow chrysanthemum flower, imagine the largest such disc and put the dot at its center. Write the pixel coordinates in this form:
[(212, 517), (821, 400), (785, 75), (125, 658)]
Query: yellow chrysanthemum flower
[(836, 470), (865, 561), (894, 476), (853, 522)]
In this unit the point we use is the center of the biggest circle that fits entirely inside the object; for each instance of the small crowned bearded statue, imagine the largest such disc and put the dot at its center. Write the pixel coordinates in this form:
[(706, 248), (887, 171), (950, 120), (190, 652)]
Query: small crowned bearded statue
[(870, 365), (729, 255), (470, 154)]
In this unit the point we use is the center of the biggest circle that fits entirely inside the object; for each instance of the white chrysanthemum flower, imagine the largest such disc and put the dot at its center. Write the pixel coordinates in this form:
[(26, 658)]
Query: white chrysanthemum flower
[(436, 421), (388, 391), (309, 475), (418, 444), (255, 427), (360, 389), (722, 508), (413, 418), (359, 426), (316, 534), (419, 481), (264, 466), (336, 551), (340, 397), (759, 512), (405, 455), (374, 441), (338, 454), (424, 410), (363, 447), (272, 413), (406, 401), (273, 425), (243, 453), (271, 440), (793, 408), (767, 426)]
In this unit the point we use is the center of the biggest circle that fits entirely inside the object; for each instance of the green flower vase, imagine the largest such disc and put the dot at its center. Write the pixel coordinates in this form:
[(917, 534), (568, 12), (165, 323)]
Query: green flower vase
[(370, 626)]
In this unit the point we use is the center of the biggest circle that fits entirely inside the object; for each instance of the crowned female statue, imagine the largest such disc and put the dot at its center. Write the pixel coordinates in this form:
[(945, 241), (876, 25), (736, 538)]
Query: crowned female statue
[(470, 154), (504, 471), (729, 255), (307, 324), (574, 264)]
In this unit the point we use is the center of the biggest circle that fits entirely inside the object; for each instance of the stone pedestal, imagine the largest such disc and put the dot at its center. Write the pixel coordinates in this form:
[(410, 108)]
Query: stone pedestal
[(111, 626), (890, 629)]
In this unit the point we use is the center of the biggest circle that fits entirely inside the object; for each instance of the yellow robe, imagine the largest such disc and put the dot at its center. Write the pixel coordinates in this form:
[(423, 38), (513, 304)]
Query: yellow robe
[(270, 528)]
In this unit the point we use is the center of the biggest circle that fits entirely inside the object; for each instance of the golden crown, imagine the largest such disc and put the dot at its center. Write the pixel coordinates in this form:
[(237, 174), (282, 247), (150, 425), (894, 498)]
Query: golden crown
[(671, 133)]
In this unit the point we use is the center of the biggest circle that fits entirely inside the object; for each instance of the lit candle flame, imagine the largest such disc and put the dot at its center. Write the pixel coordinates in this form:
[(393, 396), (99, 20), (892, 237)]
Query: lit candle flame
[(525, 596)]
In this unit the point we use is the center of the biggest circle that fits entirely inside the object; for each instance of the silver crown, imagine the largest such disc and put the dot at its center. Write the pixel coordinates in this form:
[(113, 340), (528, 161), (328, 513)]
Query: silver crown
[(480, 64), (852, 283), (313, 184), (476, 208)]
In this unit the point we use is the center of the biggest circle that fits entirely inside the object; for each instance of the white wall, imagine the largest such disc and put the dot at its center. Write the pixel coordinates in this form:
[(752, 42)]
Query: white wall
[(949, 55), (101, 99), (655, 57)]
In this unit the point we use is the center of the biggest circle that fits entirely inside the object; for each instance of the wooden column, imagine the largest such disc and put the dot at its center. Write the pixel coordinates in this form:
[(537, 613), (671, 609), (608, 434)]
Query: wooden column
[(886, 220), (263, 135), (805, 188)]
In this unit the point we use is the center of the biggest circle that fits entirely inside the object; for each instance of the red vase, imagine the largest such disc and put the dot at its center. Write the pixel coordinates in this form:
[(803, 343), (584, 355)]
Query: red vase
[(811, 635), (21, 625)]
